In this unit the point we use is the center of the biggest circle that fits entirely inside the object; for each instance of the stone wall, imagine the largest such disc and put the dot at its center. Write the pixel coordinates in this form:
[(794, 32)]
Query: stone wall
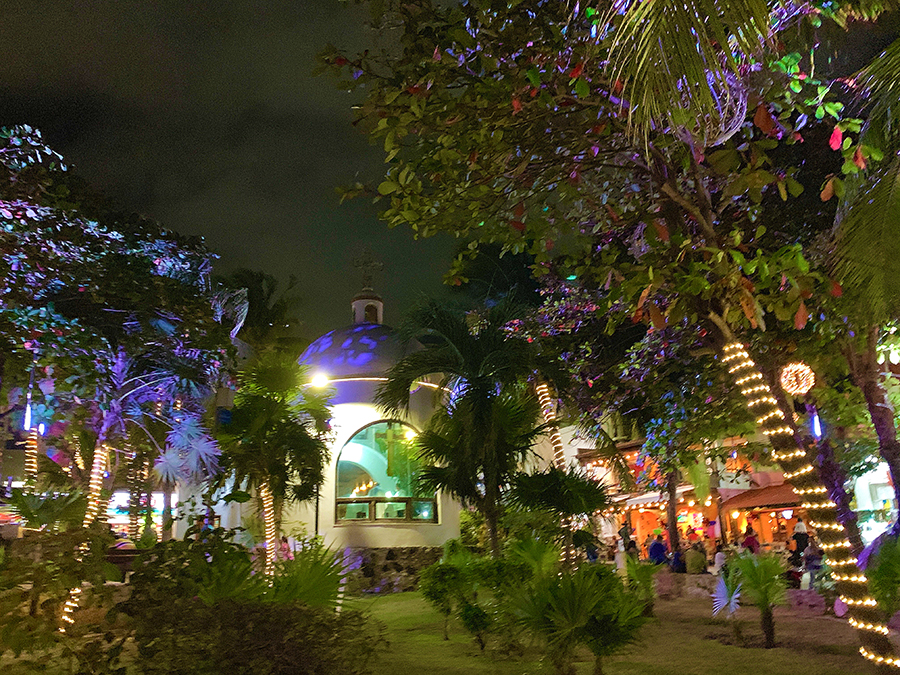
[(387, 570)]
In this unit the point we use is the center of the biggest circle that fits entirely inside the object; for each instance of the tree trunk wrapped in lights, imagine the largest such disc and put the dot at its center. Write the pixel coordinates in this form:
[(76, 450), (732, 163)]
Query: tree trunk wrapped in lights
[(94, 508), (268, 508), (31, 455), (548, 411), (799, 470)]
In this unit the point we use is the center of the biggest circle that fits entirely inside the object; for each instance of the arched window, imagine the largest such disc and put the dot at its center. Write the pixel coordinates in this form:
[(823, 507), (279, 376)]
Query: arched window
[(376, 477), (371, 314)]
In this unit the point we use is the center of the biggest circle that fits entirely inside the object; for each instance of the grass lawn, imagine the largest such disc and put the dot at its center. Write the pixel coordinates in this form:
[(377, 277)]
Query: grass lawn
[(684, 639)]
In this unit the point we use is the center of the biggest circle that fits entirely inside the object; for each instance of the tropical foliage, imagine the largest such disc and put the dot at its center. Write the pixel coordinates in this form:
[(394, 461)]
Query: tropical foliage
[(275, 440), (763, 584), (488, 425)]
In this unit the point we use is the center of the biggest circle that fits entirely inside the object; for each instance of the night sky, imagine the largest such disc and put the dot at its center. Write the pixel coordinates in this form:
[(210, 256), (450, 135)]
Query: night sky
[(206, 117)]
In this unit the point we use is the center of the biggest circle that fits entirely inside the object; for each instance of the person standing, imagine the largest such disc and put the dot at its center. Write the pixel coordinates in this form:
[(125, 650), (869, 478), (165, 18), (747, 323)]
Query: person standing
[(657, 552), (751, 543), (800, 536)]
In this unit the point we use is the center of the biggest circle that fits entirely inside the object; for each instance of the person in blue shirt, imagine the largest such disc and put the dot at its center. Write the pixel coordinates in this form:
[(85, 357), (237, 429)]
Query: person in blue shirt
[(657, 552)]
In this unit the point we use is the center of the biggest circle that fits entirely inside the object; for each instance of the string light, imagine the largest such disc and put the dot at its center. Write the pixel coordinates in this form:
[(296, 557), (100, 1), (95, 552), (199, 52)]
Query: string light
[(820, 490), (31, 454), (818, 505), (837, 527), (69, 607), (548, 411), (886, 660), (799, 472), (101, 456), (864, 602), (797, 378), (844, 543), (781, 456), (874, 627), (831, 562), (852, 578), (271, 532)]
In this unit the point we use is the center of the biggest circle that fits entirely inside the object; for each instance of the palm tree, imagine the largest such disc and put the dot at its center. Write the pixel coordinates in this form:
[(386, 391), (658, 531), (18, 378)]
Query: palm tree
[(476, 469), (763, 583), (275, 442), (564, 493), (489, 424)]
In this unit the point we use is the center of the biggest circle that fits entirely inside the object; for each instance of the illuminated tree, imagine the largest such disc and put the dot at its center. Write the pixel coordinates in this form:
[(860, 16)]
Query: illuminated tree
[(274, 442)]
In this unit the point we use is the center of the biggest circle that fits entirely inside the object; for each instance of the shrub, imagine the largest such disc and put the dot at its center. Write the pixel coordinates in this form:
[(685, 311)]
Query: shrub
[(763, 584), (256, 637), (588, 607), (199, 606)]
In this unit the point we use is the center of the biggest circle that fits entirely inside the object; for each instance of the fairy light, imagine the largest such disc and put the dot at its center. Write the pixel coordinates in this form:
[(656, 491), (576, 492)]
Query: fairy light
[(271, 532), (781, 456), (844, 543), (69, 607), (875, 658), (837, 527), (874, 627), (548, 411), (819, 490), (831, 562), (797, 378), (852, 578), (101, 456), (818, 505), (799, 472), (31, 454), (861, 602)]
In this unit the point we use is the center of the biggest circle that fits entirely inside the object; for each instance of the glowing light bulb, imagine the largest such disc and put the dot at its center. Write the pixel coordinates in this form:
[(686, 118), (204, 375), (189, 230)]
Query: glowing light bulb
[(319, 380)]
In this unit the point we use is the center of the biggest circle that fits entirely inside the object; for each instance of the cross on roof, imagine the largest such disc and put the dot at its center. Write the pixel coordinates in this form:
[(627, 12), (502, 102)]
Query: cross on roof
[(368, 265)]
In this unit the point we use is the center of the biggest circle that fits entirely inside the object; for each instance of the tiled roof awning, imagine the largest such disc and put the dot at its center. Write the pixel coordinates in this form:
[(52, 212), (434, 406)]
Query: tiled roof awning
[(764, 498)]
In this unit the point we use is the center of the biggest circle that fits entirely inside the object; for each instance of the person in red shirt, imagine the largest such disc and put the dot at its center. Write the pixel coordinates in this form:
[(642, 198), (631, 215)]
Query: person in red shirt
[(751, 543)]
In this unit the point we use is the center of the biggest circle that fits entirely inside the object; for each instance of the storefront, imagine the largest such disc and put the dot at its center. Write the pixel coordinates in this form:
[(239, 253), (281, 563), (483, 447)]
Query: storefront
[(771, 511)]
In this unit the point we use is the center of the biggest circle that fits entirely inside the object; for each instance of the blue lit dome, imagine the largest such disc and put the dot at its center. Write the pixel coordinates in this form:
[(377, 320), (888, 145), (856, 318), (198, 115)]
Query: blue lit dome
[(359, 350)]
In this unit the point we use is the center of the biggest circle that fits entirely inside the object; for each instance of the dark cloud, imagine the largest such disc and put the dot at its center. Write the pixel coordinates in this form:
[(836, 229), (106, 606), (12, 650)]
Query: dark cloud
[(205, 116)]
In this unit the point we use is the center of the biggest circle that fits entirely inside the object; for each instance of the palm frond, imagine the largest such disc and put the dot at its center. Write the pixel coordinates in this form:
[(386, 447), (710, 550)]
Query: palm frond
[(679, 62), (867, 260), (762, 578), (565, 493), (727, 596)]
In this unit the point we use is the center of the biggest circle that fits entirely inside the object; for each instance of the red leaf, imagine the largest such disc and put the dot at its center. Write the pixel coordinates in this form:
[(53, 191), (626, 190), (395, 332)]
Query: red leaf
[(548, 245), (612, 213), (764, 120), (836, 290), (798, 137), (837, 137), (517, 225), (576, 71), (661, 230), (533, 92), (618, 86), (827, 191), (517, 107), (656, 317), (519, 210), (437, 54), (801, 317), (858, 158)]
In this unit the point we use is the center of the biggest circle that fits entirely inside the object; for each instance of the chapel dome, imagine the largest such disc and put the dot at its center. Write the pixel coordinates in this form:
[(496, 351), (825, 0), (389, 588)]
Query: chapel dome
[(359, 350)]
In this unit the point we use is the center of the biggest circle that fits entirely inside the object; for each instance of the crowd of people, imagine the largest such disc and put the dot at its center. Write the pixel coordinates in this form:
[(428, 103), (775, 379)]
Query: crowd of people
[(701, 554)]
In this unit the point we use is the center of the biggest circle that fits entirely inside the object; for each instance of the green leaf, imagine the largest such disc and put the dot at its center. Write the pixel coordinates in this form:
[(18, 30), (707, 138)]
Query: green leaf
[(387, 187), (582, 88)]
